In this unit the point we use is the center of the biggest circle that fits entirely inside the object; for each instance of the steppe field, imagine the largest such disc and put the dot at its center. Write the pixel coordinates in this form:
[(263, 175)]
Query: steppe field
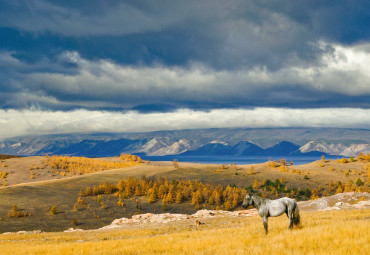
[(44, 196)]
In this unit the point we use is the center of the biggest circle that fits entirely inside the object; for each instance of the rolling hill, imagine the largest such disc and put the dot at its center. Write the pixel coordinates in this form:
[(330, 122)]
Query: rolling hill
[(34, 189)]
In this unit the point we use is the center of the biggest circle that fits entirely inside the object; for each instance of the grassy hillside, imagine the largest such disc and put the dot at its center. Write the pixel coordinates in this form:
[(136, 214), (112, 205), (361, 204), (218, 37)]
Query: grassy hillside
[(322, 233), (33, 200)]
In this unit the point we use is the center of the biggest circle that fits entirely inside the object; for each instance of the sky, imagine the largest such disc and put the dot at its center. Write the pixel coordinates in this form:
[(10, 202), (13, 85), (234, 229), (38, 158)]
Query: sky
[(147, 65)]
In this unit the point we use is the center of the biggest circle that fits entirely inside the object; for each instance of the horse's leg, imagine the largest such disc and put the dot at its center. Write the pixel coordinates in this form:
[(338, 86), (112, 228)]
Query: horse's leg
[(290, 219), (290, 216), (265, 224)]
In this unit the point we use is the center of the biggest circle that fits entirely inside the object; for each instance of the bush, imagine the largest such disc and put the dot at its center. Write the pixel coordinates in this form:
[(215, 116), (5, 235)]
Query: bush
[(273, 164), (344, 161), (75, 222), (3, 175), (359, 182), (268, 183), (307, 192), (164, 206), (53, 210)]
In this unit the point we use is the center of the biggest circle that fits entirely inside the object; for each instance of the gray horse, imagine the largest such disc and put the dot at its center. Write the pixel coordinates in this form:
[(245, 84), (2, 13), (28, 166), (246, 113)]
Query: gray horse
[(272, 208)]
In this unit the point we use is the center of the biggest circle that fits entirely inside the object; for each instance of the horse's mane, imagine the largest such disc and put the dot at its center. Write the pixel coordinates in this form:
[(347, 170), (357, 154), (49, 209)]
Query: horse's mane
[(258, 201)]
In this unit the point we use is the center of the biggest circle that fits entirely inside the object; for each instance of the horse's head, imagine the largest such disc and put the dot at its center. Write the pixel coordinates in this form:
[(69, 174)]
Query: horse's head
[(247, 200)]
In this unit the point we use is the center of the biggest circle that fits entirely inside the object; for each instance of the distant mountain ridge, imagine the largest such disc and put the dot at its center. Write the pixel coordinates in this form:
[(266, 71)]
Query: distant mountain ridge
[(233, 141), (246, 148)]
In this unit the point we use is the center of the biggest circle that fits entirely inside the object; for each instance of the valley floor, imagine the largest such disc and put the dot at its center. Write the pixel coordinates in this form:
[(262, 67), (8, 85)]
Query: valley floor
[(322, 232)]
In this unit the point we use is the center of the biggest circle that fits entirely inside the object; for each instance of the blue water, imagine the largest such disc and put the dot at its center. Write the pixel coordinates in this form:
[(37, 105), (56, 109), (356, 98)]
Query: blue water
[(246, 160)]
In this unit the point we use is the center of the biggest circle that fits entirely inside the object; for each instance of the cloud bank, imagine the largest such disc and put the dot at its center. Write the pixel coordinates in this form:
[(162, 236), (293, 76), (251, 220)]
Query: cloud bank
[(31, 122)]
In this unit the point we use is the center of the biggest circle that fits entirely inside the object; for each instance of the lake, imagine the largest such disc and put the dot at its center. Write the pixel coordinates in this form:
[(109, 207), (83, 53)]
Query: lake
[(242, 160)]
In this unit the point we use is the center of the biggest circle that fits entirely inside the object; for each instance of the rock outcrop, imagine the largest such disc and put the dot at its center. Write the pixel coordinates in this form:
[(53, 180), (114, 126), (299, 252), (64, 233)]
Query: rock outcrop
[(347, 200), (168, 217)]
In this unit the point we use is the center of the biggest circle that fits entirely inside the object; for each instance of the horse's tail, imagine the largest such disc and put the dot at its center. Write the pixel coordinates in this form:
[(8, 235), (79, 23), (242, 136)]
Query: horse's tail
[(296, 216)]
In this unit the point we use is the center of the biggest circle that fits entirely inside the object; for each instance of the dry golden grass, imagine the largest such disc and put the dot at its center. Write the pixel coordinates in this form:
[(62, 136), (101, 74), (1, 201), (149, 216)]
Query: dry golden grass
[(70, 166), (331, 232), (19, 170)]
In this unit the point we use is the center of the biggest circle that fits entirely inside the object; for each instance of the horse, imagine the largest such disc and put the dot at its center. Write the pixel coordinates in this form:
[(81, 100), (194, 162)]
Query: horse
[(272, 208)]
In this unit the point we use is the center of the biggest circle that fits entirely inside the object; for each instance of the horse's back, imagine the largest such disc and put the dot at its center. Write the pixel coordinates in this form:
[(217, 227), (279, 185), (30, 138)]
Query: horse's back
[(288, 201)]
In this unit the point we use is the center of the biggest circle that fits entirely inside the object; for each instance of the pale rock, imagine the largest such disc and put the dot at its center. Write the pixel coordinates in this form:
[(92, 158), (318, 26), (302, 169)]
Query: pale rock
[(73, 230)]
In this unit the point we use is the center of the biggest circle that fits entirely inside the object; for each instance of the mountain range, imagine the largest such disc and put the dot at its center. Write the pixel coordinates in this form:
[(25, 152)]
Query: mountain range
[(202, 142), (246, 148)]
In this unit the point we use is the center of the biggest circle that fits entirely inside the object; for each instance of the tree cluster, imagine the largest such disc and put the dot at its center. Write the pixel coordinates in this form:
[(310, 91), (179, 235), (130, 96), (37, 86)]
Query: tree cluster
[(4, 156), (176, 191), (364, 157), (339, 187), (16, 213)]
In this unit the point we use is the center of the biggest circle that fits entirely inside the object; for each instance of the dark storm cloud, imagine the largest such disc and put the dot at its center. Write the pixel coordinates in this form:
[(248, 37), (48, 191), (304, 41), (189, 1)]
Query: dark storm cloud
[(104, 84), (163, 55), (223, 34)]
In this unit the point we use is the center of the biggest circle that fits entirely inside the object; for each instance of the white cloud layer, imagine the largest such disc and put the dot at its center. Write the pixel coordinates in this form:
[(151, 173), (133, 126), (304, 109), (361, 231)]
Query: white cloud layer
[(30, 122), (345, 70)]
